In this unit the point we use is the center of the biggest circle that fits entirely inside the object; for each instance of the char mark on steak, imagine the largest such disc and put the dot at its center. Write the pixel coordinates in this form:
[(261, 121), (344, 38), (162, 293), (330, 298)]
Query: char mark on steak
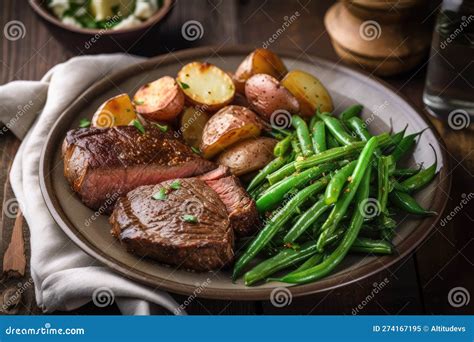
[(189, 227), (104, 164)]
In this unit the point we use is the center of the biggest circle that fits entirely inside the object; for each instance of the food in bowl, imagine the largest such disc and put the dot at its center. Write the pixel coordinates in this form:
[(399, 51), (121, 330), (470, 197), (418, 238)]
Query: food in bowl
[(104, 14)]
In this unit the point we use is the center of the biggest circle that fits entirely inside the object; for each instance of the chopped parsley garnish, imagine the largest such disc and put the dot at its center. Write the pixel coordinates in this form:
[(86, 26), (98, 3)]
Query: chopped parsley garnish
[(84, 123), (189, 218), (163, 128), (138, 125), (138, 102), (184, 85), (196, 150), (175, 185), (160, 195)]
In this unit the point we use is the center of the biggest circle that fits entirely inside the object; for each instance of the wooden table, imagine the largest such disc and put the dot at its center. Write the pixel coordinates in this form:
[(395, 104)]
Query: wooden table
[(417, 285)]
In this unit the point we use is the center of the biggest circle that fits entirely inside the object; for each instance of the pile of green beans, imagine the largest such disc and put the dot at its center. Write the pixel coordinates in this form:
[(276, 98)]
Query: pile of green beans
[(332, 189)]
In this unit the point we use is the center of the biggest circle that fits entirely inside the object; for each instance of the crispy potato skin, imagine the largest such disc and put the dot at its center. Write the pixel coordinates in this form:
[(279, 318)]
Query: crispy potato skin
[(248, 155), (192, 125), (117, 111), (260, 61), (228, 126), (309, 92), (160, 100), (266, 95), (206, 85)]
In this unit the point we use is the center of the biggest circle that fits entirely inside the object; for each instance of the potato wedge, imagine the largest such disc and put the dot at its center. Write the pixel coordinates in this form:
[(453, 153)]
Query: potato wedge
[(248, 155), (160, 100), (228, 126), (260, 61), (192, 125), (266, 96), (309, 92), (206, 85), (117, 111)]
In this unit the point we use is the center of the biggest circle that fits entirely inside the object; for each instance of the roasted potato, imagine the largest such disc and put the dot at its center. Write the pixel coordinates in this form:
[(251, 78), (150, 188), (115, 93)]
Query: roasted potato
[(192, 125), (206, 85), (266, 96), (228, 126), (309, 92), (160, 100), (248, 155), (117, 111), (260, 61)]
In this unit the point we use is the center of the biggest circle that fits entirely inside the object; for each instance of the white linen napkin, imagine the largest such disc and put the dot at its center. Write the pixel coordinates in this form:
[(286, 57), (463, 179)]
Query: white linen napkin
[(65, 277)]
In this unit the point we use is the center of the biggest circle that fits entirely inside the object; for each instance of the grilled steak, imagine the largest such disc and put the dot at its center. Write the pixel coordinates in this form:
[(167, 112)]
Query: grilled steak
[(104, 164), (240, 206), (163, 229)]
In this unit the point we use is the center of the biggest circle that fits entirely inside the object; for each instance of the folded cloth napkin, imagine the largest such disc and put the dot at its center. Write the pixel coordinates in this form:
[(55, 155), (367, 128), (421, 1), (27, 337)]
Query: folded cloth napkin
[(65, 277)]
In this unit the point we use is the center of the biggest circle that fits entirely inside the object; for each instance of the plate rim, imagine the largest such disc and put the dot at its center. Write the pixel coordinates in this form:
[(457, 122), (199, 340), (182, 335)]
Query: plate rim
[(407, 246)]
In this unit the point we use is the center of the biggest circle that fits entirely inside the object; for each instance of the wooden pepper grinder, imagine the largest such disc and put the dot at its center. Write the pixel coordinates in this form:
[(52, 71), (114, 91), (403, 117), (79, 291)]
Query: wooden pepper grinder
[(384, 37)]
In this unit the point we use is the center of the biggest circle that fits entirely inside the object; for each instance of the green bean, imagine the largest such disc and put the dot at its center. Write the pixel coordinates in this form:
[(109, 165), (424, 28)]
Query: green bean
[(302, 133), (383, 188), (421, 179), (366, 245), (360, 129), (406, 172), (295, 144), (407, 203), (306, 220), (281, 173), (310, 262), (343, 202), (319, 136), (282, 146), (331, 142), (339, 152), (337, 182), (275, 224), (405, 145), (351, 111), (313, 121), (260, 189), (334, 259), (337, 129), (282, 260), (275, 194), (274, 165)]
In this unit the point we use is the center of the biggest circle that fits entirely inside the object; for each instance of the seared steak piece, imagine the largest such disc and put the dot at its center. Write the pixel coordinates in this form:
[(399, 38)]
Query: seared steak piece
[(219, 172), (104, 164), (240, 206), (188, 227)]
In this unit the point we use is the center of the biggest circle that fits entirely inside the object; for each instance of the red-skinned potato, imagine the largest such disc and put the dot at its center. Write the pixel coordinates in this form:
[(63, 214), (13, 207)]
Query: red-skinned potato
[(248, 155), (260, 61), (309, 92), (228, 126), (117, 111), (160, 100), (266, 96)]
